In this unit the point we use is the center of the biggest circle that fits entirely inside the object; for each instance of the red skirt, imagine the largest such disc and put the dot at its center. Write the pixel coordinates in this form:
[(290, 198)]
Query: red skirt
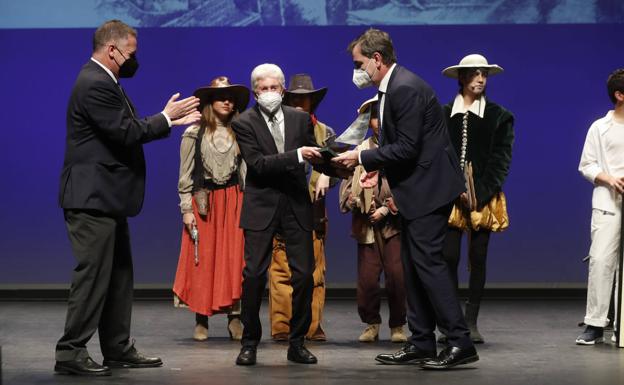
[(215, 283)]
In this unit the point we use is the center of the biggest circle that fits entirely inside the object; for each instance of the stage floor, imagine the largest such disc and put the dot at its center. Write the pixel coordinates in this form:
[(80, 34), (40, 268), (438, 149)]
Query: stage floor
[(527, 342)]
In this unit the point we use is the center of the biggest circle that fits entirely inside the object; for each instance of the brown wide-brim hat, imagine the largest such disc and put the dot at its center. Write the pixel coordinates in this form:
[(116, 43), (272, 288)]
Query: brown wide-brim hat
[(472, 61), (240, 93), (301, 84)]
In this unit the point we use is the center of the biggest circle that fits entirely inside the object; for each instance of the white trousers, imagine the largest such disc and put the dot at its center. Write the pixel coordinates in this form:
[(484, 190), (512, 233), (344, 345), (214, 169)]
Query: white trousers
[(603, 265)]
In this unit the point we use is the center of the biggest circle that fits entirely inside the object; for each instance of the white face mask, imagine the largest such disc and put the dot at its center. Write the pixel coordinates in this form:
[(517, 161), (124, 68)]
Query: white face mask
[(270, 101), (361, 78)]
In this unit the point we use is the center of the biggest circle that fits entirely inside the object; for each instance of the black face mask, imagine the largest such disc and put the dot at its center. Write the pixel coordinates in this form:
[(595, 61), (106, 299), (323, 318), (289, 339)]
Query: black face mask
[(129, 67)]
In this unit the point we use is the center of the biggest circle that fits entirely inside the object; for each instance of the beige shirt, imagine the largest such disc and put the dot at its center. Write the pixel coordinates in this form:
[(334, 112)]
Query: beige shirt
[(220, 160)]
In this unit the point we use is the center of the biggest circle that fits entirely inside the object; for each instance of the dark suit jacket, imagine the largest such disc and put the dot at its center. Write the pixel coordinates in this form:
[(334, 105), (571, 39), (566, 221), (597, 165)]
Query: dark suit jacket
[(490, 141), (419, 162), (271, 174), (104, 167)]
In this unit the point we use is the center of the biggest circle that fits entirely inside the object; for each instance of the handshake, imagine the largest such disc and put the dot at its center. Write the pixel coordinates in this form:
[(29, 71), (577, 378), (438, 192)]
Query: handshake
[(326, 160)]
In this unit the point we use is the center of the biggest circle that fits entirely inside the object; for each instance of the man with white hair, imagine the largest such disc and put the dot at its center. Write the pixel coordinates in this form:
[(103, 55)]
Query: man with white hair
[(275, 141)]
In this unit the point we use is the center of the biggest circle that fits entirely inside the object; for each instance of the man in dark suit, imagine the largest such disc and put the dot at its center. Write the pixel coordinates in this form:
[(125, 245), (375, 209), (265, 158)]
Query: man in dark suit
[(423, 172), (102, 183), (275, 141)]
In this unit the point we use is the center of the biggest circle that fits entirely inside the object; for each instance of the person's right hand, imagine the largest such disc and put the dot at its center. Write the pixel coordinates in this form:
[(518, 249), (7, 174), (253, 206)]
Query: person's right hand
[(189, 119), (189, 221), (177, 109), (311, 154), (610, 181), (464, 200)]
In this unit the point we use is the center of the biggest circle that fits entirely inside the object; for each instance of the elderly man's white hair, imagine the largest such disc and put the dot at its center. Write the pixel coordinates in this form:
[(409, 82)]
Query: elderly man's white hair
[(267, 70)]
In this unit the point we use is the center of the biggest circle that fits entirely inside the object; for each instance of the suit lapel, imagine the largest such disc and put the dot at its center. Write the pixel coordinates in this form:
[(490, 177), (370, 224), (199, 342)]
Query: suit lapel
[(125, 101), (265, 139)]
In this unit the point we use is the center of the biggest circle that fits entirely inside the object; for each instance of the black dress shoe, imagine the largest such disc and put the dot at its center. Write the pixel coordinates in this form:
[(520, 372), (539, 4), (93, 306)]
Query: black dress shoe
[(83, 367), (247, 356), (452, 356), (408, 355), (133, 359), (300, 355)]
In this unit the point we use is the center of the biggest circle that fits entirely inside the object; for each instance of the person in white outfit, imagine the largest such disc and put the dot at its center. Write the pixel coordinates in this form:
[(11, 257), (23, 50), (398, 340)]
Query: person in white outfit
[(602, 163)]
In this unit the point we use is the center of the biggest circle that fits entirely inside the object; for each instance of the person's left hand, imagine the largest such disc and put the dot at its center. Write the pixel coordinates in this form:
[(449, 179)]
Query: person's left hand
[(376, 216), (189, 119), (391, 205), (322, 185), (369, 180), (348, 159)]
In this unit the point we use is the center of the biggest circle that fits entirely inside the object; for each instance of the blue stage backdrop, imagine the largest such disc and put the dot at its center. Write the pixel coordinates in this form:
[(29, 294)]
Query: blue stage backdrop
[(554, 83)]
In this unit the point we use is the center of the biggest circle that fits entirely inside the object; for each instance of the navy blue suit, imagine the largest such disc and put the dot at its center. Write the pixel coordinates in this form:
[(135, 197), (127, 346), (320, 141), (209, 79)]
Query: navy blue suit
[(102, 183), (424, 176)]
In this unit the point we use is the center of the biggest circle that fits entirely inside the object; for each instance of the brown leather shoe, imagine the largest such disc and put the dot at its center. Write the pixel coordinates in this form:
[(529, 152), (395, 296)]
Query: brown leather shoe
[(280, 337), (397, 334), (370, 334)]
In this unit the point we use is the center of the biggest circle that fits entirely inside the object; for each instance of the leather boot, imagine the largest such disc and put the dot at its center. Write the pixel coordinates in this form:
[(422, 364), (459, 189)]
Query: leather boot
[(201, 327), (472, 312), (235, 327), (370, 334), (397, 334)]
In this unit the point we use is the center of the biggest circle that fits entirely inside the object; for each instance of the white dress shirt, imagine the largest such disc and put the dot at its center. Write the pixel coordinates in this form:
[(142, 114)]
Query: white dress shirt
[(108, 71), (477, 107), (279, 116), (602, 152), (383, 86)]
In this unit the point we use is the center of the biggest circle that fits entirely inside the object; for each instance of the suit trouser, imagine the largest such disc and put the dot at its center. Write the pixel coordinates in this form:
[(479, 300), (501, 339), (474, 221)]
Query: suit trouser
[(280, 289), (258, 247), (371, 263), (100, 297), (431, 295), (477, 257), (603, 265)]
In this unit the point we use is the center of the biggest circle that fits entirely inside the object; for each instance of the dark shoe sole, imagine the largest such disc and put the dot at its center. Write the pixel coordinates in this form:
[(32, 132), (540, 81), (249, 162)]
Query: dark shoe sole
[(303, 362), (64, 370), (416, 361), (245, 363), (467, 360), (129, 365), (297, 361)]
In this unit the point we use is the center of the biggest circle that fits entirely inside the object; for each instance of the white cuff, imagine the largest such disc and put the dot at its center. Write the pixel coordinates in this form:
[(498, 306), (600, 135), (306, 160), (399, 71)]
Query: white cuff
[(167, 117), (299, 156)]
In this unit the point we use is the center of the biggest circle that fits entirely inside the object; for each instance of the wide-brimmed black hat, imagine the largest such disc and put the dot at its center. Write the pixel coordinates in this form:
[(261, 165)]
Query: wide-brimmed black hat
[(301, 84), (221, 86)]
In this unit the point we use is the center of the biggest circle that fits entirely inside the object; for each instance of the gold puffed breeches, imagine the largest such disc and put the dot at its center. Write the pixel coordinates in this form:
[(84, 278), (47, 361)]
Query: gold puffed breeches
[(280, 289)]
